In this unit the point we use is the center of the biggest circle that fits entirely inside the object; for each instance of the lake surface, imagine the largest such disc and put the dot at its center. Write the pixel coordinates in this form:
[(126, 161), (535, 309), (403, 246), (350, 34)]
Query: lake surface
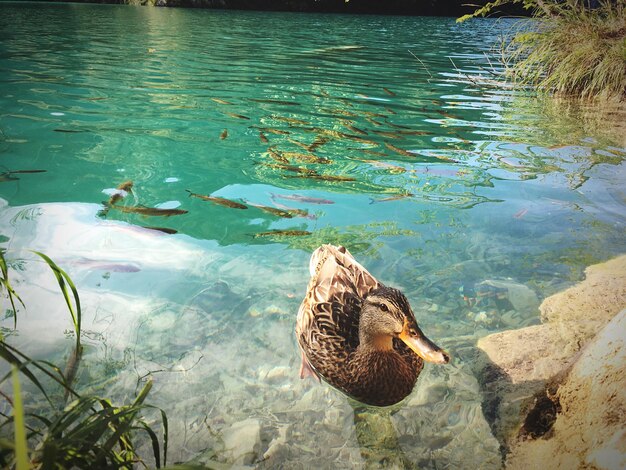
[(393, 136)]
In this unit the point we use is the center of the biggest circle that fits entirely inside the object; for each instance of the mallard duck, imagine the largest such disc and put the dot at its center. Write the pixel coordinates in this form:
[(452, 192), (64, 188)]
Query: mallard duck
[(358, 335)]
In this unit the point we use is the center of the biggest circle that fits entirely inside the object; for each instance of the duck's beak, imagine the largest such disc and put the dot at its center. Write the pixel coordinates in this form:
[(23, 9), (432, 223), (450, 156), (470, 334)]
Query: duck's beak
[(422, 346)]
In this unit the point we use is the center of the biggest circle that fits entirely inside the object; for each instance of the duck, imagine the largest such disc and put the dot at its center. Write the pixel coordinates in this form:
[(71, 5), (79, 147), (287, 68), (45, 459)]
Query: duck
[(359, 335)]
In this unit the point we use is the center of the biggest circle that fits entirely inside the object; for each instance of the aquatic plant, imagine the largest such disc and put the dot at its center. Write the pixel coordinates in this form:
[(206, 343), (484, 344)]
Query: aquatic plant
[(90, 432), (570, 49), (6, 284)]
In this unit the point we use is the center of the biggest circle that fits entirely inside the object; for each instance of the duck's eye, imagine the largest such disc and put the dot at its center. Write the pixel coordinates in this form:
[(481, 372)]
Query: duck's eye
[(384, 307), (412, 332)]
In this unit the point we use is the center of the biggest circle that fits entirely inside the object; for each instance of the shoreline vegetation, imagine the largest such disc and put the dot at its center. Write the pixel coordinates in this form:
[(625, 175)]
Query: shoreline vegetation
[(64, 428), (570, 49)]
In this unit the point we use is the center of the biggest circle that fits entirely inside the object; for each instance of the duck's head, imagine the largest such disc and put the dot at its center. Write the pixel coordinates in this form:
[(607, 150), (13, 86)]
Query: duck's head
[(386, 314)]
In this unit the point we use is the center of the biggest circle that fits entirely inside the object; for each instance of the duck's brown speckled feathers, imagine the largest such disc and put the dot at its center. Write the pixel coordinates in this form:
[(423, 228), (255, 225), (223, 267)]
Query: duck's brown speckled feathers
[(327, 329)]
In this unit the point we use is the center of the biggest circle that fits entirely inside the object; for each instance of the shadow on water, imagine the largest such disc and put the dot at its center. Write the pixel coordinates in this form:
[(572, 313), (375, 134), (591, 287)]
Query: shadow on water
[(516, 411)]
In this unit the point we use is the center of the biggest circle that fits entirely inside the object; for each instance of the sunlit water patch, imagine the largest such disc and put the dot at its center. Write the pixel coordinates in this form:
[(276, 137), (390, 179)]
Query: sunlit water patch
[(250, 139)]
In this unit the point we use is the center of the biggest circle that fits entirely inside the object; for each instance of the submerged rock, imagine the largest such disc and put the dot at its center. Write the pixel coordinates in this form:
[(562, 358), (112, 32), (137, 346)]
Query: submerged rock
[(522, 371), (243, 441)]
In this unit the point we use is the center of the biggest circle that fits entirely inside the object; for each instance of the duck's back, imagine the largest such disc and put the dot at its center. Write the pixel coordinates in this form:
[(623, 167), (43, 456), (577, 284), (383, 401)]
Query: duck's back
[(327, 327)]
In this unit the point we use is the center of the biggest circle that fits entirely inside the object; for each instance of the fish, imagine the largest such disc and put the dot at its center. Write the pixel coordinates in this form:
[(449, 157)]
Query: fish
[(349, 126), (373, 121), (328, 132), (68, 131), (444, 114), (295, 212), (372, 152), (339, 112), (120, 192), (392, 198), (372, 114), (390, 135), (143, 210), (274, 211), (238, 116), (6, 176), (338, 49), (224, 134), (276, 155), (169, 231), (220, 101), (399, 150), (359, 139), (263, 138), (283, 233), (332, 178), (521, 213), (126, 186), (219, 200), (305, 157), (410, 132), (291, 120), (388, 91), (292, 168), (298, 143), (25, 171), (398, 126), (271, 130), (318, 142), (271, 101), (302, 199)]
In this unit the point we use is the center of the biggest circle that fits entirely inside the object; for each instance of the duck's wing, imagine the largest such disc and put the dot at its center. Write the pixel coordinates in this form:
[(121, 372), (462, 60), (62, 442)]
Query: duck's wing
[(328, 320)]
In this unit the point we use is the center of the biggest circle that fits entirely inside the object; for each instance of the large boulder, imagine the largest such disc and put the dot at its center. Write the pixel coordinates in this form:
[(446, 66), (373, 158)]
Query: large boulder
[(517, 367), (590, 426)]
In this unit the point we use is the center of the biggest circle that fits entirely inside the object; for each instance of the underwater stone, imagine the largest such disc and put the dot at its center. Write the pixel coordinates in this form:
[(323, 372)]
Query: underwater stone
[(243, 440)]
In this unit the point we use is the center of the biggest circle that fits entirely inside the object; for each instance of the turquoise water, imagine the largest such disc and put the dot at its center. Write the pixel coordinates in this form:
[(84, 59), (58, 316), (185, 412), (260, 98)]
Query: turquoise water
[(391, 135)]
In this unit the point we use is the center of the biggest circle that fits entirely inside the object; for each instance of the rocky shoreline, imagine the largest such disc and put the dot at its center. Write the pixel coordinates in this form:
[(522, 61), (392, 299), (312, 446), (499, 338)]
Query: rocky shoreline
[(556, 392)]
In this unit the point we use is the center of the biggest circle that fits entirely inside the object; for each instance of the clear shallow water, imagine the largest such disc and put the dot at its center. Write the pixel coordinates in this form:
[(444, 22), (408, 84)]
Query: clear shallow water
[(441, 180)]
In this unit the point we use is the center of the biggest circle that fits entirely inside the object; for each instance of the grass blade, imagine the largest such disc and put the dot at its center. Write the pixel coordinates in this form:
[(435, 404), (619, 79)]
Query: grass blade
[(11, 358), (155, 444), (21, 446), (7, 285), (64, 281)]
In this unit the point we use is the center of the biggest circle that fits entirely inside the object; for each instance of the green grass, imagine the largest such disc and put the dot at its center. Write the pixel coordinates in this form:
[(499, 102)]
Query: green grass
[(90, 432), (569, 49)]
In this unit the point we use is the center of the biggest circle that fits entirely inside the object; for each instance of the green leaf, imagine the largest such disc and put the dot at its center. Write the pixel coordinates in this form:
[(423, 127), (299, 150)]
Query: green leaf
[(4, 281), (21, 446), (64, 280), (7, 355)]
